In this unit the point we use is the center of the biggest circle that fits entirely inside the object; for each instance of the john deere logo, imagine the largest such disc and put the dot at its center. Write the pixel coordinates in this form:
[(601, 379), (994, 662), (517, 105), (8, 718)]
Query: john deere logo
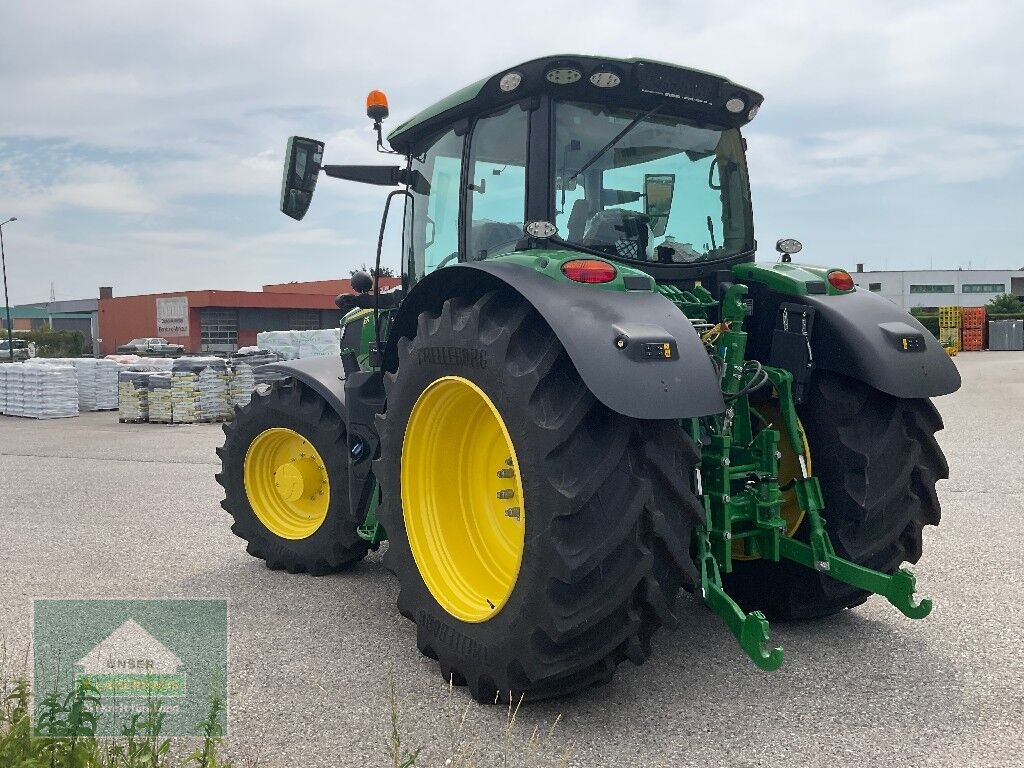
[(131, 662)]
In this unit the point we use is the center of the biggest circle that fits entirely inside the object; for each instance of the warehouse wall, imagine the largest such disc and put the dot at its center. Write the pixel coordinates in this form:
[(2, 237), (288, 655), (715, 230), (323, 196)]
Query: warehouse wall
[(903, 287), (124, 318)]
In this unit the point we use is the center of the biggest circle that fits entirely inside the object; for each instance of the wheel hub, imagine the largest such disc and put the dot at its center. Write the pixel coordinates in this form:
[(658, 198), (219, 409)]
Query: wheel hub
[(286, 483), (297, 479)]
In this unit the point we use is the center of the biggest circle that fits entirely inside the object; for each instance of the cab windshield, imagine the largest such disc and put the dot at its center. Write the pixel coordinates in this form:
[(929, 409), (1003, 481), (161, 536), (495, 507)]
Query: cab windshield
[(644, 187)]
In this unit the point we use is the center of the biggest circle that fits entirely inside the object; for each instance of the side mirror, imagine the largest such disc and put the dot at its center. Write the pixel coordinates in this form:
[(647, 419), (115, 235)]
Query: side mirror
[(658, 191), (301, 168)]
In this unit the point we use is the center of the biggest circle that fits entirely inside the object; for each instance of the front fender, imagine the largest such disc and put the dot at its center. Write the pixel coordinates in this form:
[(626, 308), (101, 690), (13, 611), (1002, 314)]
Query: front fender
[(588, 321), (324, 375)]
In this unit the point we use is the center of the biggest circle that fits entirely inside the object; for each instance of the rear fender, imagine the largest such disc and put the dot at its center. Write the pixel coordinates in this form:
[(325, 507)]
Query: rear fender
[(591, 323), (861, 335)]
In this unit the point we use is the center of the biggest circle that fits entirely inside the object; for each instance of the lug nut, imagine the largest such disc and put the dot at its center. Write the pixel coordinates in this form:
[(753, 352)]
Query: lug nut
[(512, 512), (504, 473), (507, 493)]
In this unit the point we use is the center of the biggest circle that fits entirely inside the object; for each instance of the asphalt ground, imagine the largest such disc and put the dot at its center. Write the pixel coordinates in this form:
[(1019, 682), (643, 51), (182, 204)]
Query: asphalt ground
[(90, 508)]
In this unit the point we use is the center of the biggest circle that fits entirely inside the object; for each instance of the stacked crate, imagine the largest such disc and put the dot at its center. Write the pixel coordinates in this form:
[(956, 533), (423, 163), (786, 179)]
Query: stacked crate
[(949, 329), (972, 329)]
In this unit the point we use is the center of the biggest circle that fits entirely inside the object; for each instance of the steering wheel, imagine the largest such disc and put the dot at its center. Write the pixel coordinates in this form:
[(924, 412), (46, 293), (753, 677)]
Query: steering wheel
[(492, 251), (446, 259)]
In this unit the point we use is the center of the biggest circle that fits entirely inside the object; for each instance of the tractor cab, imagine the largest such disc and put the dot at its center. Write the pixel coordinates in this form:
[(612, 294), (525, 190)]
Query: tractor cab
[(633, 161)]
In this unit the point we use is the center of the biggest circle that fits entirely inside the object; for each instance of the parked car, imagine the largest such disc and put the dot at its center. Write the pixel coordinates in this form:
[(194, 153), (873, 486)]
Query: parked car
[(23, 350), (151, 346)]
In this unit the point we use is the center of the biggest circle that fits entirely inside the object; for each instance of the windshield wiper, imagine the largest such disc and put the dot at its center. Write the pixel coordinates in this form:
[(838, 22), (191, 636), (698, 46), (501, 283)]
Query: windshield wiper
[(618, 137)]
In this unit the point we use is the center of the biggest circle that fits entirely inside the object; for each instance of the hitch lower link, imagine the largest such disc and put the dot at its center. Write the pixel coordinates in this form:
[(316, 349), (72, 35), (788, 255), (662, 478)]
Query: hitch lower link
[(734, 495)]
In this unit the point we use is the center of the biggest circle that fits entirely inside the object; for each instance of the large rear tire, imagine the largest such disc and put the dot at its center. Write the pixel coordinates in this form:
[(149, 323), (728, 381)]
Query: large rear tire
[(285, 477), (878, 462), (602, 503)]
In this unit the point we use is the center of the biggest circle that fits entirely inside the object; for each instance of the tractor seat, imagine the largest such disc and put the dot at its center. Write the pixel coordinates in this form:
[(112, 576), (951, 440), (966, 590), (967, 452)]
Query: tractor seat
[(487, 237), (619, 232)]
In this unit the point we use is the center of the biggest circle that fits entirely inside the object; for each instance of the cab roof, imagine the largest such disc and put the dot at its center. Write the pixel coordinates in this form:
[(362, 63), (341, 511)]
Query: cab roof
[(638, 83)]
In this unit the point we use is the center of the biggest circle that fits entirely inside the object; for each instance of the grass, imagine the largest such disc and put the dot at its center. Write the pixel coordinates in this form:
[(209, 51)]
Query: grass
[(65, 736), (537, 751)]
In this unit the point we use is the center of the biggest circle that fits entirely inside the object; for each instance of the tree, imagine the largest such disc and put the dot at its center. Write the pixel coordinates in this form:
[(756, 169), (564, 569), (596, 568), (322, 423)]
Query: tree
[(384, 271), (1005, 304)]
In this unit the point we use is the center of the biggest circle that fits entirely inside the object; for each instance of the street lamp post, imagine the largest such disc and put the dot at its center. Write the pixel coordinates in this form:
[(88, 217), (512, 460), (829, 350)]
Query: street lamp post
[(7, 302)]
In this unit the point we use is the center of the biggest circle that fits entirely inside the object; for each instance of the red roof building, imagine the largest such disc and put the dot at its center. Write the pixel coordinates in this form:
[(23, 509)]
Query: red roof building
[(220, 321)]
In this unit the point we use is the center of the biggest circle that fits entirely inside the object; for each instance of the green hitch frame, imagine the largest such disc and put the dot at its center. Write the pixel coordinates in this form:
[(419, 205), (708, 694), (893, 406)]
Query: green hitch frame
[(738, 482), (371, 530)]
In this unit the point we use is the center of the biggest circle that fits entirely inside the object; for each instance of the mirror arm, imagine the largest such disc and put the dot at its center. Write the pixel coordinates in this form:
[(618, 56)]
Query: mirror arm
[(381, 175)]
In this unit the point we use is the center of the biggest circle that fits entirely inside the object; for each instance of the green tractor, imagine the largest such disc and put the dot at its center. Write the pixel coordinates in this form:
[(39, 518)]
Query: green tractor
[(587, 395)]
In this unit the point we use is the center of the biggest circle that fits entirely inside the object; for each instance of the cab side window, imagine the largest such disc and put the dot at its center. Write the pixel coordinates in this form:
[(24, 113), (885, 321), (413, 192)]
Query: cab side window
[(496, 196), (434, 216)]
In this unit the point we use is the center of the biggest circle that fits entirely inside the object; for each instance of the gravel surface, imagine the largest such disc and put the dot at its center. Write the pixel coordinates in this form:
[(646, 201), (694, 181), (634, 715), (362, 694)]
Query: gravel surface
[(93, 508)]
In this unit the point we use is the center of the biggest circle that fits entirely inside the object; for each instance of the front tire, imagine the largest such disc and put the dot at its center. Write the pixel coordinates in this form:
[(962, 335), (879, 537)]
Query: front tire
[(285, 478), (603, 500), (877, 460)]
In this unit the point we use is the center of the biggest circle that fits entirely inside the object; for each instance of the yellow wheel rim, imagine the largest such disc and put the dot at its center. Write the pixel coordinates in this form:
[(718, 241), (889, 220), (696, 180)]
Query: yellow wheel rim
[(286, 483), (789, 470), (462, 499)]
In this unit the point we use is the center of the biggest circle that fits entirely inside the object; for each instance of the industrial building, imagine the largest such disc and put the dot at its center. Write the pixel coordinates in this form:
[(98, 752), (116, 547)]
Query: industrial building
[(78, 315), (942, 287), (220, 321)]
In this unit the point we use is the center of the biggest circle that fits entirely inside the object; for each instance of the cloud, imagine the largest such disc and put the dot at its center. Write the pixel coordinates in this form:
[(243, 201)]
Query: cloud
[(871, 156), (163, 125)]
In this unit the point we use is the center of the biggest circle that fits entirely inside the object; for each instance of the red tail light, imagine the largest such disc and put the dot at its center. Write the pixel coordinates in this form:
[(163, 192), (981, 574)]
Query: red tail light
[(589, 271), (840, 280)]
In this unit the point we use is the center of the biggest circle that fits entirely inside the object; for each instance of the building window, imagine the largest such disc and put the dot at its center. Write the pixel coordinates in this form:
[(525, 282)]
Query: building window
[(876, 287), (984, 288), (933, 289), (304, 320)]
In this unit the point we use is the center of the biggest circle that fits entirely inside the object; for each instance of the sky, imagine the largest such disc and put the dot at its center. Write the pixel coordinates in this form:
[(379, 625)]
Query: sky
[(141, 143)]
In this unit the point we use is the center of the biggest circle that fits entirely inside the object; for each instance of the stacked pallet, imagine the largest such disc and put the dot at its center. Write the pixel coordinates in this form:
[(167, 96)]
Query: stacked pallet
[(106, 385), (14, 389), (291, 345), (949, 329), (97, 381), (212, 382), (133, 395), (4, 368), (184, 398), (972, 329), (48, 391), (256, 358), (199, 390), (160, 403), (240, 385)]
